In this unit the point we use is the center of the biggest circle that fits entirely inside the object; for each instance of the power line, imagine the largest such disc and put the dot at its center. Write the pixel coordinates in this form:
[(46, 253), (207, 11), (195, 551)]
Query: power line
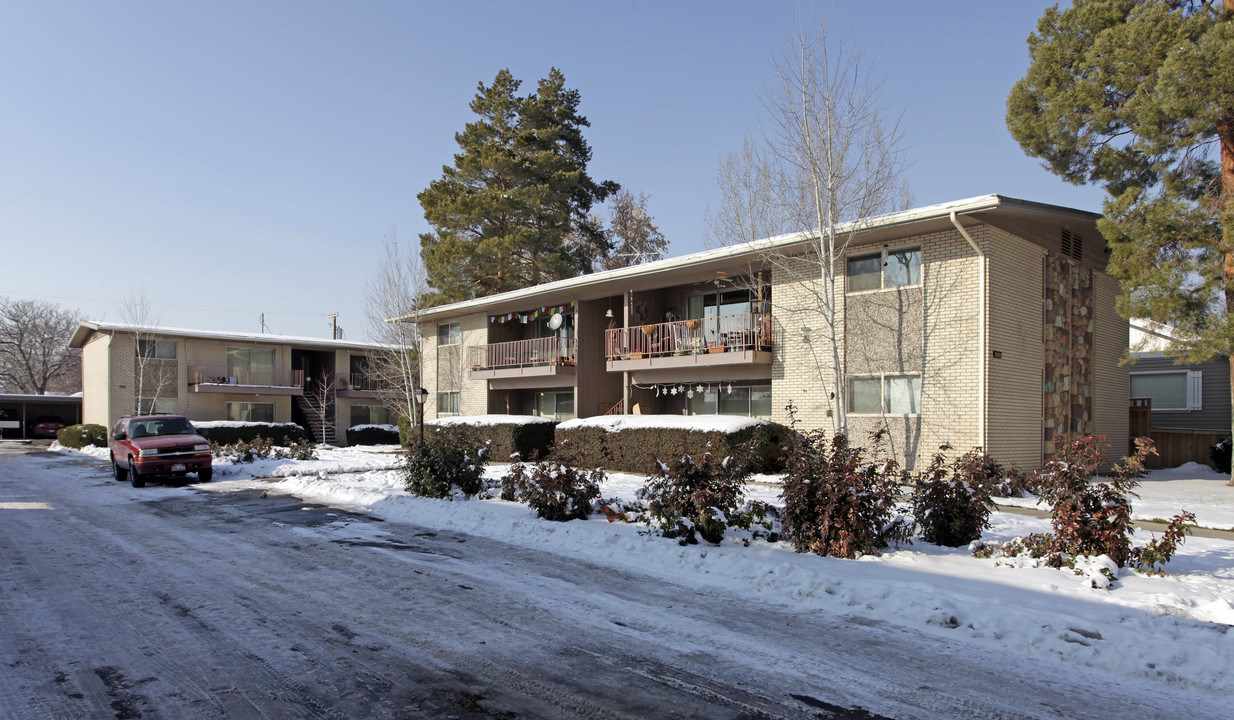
[(157, 305)]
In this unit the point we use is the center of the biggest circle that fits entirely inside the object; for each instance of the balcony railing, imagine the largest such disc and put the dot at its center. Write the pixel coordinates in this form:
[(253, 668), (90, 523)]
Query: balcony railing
[(522, 353), (360, 381), (245, 377), (743, 331)]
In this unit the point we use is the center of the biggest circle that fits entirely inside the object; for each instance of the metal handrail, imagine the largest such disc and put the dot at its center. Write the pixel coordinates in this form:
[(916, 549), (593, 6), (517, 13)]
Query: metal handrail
[(522, 353), (741, 331), (252, 377)]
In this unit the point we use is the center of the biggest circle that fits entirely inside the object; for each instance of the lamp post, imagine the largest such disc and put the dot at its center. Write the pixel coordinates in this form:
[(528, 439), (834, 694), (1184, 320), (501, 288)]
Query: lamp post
[(422, 394)]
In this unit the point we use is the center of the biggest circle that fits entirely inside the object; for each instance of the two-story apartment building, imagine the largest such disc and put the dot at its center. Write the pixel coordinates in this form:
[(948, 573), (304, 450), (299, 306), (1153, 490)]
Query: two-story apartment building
[(209, 375), (983, 322)]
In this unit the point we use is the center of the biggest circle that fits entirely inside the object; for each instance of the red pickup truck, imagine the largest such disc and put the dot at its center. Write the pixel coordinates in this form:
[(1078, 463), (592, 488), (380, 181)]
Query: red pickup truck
[(146, 446)]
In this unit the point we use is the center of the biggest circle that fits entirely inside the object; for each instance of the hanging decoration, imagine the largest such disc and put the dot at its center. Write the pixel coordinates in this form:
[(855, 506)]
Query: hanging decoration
[(531, 315)]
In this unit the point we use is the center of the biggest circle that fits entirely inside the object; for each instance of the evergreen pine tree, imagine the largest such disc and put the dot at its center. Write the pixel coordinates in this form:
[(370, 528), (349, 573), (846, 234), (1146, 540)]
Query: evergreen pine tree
[(1138, 95), (517, 191)]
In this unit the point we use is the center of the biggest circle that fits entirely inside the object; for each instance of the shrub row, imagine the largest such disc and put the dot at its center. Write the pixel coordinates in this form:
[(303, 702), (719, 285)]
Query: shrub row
[(504, 439), (372, 435), (232, 434), (79, 436), (635, 450)]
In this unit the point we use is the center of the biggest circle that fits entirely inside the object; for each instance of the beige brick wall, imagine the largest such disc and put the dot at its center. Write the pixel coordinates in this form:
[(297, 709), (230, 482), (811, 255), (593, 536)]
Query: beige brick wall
[(802, 369), (931, 330), (1015, 391), (445, 367), (1111, 380)]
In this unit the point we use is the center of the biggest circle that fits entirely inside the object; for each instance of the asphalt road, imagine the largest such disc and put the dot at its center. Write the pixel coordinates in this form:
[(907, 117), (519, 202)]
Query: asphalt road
[(169, 602)]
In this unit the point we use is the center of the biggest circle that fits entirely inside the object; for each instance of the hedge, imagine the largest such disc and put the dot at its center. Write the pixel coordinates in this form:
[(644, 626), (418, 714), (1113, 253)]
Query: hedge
[(506, 437), (79, 436), (372, 435), (636, 449), (230, 434)]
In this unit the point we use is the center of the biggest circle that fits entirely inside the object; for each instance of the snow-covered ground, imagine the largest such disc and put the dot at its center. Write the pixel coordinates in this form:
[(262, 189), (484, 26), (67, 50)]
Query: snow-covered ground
[(1173, 629)]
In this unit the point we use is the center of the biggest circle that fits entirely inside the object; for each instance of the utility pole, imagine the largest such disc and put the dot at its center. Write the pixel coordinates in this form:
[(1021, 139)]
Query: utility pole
[(334, 326)]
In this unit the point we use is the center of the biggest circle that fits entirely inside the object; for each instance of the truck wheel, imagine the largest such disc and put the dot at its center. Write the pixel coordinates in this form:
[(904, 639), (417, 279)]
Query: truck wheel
[(135, 479), (117, 472)]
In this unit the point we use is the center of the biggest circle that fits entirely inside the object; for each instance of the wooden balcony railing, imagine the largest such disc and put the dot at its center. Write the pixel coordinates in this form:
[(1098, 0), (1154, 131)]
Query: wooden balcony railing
[(522, 353), (743, 331), (250, 377)]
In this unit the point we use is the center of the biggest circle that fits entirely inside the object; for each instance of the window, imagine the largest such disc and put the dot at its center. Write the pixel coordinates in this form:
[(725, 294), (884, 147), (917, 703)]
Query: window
[(250, 412), (1169, 389), (369, 415), (449, 334), (448, 403), (887, 269), (559, 405), (160, 349), (251, 366), (731, 400), (161, 406), (885, 394)]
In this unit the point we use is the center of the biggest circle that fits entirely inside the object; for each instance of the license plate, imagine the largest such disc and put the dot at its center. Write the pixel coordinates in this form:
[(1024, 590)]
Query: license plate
[(177, 468)]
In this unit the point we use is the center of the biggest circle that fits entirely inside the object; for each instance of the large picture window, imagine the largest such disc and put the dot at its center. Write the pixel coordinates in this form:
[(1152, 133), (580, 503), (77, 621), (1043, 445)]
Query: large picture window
[(556, 404), (251, 366), (1169, 390), (885, 394), (369, 415), (886, 269), (732, 400), (250, 412)]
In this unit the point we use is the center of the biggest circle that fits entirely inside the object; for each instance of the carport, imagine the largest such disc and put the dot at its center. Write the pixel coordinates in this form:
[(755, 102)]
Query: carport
[(19, 413)]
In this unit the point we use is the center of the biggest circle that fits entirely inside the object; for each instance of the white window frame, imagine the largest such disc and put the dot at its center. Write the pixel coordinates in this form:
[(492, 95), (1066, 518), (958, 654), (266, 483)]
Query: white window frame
[(882, 393), (1195, 389), (882, 276)]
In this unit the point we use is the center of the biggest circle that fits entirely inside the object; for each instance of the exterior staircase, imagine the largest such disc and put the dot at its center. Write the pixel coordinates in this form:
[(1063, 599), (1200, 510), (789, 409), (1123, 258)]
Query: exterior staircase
[(310, 406)]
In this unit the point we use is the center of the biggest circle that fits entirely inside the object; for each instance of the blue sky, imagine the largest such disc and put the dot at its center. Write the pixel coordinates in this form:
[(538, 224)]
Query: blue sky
[(235, 158)]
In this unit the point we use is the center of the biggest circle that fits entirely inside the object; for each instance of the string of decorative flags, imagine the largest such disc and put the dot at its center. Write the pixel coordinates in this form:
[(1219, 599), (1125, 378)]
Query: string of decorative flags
[(524, 317)]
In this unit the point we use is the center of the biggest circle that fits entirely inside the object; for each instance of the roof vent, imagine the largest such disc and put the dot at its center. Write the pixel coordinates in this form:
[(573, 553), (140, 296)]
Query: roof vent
[(1072, 245)]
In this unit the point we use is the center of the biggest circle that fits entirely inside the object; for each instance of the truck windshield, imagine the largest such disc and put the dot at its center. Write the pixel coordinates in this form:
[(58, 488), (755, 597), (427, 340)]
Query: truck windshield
[(162, 426)]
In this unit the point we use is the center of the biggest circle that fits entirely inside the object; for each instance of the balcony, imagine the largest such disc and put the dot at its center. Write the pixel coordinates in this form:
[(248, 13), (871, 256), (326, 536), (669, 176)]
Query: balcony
[(359, 385), (740, 339), (245, 381), (522, 358)]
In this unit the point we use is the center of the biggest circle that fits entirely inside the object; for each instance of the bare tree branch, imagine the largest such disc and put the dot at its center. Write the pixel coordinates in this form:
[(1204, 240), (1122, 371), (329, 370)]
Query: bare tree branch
[(827, 160), (398, 290), (34, 347)]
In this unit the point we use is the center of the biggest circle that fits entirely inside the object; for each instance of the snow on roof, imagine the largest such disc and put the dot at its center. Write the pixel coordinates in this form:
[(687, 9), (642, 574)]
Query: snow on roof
[(84, 329), (486, 420), (980, 203), (698, 423)]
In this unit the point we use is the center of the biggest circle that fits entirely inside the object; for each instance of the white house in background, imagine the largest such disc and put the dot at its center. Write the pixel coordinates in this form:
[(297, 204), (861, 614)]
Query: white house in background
[(216, 375)]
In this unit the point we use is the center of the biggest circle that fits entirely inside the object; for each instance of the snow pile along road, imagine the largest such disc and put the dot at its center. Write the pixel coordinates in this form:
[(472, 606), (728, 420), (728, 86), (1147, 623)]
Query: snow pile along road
[(1174, 629)]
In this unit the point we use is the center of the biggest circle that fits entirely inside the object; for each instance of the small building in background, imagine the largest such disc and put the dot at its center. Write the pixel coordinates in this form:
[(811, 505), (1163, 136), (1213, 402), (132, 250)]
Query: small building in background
[(241, 377)]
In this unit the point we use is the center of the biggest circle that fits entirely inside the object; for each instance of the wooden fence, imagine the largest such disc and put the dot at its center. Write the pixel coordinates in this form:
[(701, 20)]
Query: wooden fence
[(1175, 447)]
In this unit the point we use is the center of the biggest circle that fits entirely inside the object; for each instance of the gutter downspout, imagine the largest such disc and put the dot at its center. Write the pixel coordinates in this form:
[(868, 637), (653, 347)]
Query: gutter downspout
[(982, 354)]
